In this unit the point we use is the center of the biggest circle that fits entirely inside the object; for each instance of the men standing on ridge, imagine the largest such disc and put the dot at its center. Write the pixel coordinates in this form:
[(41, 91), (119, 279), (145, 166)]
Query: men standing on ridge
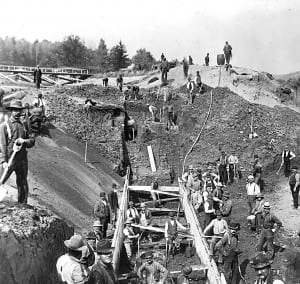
[(185, 66), (102, 212), (113, 202), (223, 162), (286, 157), (13, 132), (232, 164), (120, 82), (207, 59), (191, 86), (37, 76), (227, 52), (164, 68), (191, 60)]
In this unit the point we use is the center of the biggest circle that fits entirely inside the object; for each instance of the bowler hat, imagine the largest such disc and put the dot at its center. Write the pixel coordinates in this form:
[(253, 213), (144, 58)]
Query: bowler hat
[(259, 195), (91, 236), (103, 247), (16, 104), (129, 221), (267, 205), (191, 167), (143, 205), (102, 194), (226, 194), (130, 203), (172, 214), (114, 185), (261, 260), (187, 270), (148, 255), (75, 243), (234, 226), (97, 223)]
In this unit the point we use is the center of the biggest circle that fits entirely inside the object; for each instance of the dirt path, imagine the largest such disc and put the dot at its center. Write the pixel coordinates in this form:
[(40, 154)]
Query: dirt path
[(283, 206)]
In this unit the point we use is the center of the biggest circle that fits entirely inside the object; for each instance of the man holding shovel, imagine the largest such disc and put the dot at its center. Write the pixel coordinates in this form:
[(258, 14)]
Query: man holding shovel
[(14, 133)]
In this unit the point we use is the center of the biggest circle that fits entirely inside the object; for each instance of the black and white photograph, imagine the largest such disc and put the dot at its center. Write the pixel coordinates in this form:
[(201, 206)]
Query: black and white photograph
[(150, 142)]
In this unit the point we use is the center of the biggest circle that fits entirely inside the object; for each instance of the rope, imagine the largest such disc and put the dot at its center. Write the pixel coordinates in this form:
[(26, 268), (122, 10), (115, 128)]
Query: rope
[(208, 113)]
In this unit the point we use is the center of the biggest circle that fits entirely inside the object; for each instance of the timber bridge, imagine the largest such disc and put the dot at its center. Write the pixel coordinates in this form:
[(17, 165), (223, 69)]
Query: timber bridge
[(66, 75)]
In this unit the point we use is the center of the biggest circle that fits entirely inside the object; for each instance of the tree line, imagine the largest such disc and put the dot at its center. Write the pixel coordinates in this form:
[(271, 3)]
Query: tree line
[(72, 52)]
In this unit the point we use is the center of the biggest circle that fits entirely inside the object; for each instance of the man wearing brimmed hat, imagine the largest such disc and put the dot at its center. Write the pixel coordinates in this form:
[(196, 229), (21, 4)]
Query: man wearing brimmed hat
[(262, 265), (258, 210), (188, 175), (11, 132), (287, 156), (171, 232), (227, 248), (219, 226), (102, 271), (155, 272), (145, 219), (69, 266), (232, 166), (210, 176), (129, 237), (196, 197), (102, 211), (269, 225), (98, 230), (183, 277), (226, 206), (294, 182), (252, 190), (37, 76)]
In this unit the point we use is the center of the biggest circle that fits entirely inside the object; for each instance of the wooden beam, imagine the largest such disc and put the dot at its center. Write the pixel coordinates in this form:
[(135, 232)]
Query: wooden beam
[(158, 230), (151, 158), (25, 78), (163, 210), (152, 190), (174, 189), (161, 200), (48, 80), (7, 78)]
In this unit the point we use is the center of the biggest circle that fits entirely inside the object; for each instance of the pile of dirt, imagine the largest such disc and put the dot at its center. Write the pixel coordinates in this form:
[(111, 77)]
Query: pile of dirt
[(31, 240), (67, 114)]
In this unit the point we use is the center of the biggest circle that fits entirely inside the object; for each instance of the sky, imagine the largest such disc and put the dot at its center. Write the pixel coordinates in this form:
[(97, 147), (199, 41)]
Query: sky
[(264, 34)]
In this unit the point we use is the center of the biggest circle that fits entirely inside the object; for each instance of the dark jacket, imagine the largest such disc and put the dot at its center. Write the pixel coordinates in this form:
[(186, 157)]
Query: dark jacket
[(101, 210), (9, 134), (113, 200), (101, 274)]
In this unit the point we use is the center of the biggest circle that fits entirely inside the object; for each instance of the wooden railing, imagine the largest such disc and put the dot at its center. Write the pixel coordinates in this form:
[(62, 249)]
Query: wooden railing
[(201, 246), (117, 242), (45, 70)]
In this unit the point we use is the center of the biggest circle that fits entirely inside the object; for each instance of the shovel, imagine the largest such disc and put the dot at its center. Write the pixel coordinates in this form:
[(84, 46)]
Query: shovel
[(252, 134), (277, 173), (16, 148)]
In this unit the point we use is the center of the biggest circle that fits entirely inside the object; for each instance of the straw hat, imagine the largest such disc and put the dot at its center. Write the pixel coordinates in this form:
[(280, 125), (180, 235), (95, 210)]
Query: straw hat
[(75, 243)]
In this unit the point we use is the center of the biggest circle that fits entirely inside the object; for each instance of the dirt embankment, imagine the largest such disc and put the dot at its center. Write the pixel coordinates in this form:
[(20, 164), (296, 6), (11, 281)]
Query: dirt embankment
[(31, 240)]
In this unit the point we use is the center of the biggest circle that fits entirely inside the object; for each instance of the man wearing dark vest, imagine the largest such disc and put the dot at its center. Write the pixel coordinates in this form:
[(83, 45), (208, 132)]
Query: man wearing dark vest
[(102, 212), (11, 132), (294, 182), (171, 232), (287, 156), (226, 206)]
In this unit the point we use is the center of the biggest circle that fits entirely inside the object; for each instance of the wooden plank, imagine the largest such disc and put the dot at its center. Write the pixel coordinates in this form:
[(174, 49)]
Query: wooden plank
[(151, 158), (163, 210), (161, 200), (73, 80), (152, 190), (201, 246), (158, 230), (161, 188), (48, 80), (7, 78), (25, 78)]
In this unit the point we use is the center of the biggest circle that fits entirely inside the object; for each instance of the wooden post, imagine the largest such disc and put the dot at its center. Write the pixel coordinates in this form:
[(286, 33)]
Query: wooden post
[(85, 152)]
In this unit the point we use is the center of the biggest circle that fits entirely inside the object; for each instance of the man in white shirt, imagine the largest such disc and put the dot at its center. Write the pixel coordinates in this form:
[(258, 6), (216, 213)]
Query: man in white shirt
[(252, 190), (232, 164), (191, 86), (153, 111), (219, 227), (132, 213), (40, 103), (69, 266), (129, 238)]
